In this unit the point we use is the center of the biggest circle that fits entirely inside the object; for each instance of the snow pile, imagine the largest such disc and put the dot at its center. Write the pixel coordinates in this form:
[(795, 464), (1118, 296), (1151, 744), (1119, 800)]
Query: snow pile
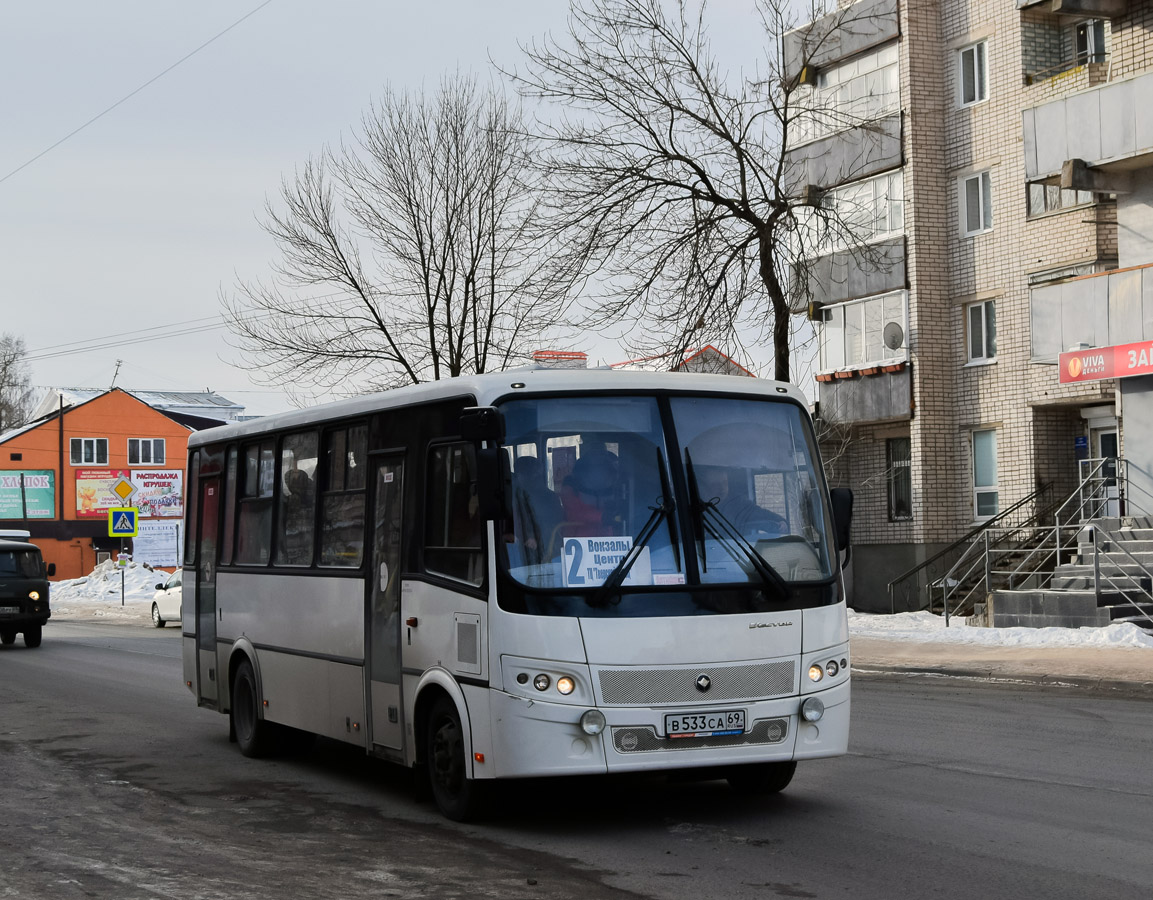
[(98, 594), (926, 627)]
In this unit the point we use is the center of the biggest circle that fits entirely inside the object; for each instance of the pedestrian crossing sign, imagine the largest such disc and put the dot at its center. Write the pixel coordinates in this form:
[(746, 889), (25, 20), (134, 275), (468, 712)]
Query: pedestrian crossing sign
[(122, 521)]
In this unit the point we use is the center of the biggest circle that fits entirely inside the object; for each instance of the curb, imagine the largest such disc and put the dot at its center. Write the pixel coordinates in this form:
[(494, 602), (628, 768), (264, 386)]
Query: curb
[(1116, 687)]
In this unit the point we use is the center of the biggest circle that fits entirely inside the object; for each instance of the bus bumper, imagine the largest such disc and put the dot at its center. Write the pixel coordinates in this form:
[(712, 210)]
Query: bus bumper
[(534, 738)]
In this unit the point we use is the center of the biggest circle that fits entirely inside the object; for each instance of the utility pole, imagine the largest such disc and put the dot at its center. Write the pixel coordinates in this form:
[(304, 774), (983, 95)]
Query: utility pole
[(114, 374)]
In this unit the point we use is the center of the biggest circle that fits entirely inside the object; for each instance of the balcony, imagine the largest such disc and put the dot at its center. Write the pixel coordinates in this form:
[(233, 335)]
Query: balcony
[(842, 33), (1096, 9), (1109, 128), (853, 154), (1099, 310)]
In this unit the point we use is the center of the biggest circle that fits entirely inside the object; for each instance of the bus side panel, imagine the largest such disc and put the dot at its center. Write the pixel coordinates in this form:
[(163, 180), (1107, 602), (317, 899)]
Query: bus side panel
[(189, 650), (317, 695), (824, 626), (451, 631), (314, 615)]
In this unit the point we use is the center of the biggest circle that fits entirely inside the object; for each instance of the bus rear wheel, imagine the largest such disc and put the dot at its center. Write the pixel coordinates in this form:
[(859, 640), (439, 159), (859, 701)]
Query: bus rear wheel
[(458, 797), (253, 734), (33, 635), (762, 779)]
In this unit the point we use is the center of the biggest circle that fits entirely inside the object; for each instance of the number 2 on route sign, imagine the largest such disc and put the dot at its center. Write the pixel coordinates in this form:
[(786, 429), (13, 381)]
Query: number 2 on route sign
[(122, 521)]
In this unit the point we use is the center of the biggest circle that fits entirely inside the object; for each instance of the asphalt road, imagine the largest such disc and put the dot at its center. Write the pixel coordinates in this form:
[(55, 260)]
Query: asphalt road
[(115, 785)]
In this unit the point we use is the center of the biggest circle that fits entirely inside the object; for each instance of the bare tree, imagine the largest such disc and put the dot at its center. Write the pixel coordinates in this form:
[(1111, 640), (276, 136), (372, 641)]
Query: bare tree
[(673, 184), (405, 256), (15, 383)]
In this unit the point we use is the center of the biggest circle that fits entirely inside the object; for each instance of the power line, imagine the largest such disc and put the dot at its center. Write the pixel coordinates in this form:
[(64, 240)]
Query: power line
[(121, 334), (126, 97)]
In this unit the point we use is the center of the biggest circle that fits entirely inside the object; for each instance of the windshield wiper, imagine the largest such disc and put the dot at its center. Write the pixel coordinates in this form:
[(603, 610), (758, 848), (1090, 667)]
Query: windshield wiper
[(727, 533), (664, 510)]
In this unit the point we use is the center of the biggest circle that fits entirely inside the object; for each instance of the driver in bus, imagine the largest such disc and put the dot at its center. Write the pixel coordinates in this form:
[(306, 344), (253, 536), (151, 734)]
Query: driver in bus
[(588, 494), (751, 520)]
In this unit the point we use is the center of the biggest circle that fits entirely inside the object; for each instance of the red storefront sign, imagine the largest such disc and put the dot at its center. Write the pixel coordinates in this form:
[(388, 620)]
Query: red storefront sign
[(1119, 361)]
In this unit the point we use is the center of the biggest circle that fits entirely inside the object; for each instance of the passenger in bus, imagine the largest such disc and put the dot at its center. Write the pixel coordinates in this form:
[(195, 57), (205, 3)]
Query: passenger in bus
[(537, 510), (736, 507), (588, 496)]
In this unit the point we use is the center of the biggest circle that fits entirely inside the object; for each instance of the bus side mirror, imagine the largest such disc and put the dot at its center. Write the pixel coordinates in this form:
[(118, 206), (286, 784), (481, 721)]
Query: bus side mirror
[(842, 500), (51, 570), (482, 423), (492, 479)]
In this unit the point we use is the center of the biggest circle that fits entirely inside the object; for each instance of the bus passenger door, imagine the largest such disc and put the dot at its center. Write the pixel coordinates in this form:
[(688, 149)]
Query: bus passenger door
[(209, 520), (384, 602)]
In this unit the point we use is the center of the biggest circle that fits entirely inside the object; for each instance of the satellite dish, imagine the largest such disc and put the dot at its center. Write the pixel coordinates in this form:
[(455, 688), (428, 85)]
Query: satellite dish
[(894, 336)]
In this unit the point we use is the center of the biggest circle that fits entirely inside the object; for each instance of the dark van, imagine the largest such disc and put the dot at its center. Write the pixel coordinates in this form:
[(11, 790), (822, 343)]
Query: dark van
[(23, 592)]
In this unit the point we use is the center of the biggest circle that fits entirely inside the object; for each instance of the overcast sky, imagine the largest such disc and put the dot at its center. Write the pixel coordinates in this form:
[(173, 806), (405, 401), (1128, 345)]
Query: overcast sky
[(128, 230)]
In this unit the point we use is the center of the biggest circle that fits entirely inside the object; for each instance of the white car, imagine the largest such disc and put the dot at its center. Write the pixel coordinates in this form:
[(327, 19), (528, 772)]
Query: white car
[(167, 599)]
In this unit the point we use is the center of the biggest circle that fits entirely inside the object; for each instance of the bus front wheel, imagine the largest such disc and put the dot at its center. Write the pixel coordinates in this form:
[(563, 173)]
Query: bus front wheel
[(252, 732), (762, 778), (33, 635), (459, 798), (7, 635)]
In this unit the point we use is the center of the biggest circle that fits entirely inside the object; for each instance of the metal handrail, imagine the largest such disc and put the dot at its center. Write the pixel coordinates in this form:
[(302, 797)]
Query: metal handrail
[(1094, 531), (1086, 502), (1041, 553), (968, 538)]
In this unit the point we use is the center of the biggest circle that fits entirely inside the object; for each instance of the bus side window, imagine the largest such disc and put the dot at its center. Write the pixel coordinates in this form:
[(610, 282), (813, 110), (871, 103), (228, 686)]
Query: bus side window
[(345, 461), (254, 531), (296, 507), (454, 528)]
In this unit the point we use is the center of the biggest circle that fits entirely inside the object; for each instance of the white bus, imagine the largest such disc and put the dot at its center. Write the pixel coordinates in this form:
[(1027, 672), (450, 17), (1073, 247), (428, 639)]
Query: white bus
[(532, 573)]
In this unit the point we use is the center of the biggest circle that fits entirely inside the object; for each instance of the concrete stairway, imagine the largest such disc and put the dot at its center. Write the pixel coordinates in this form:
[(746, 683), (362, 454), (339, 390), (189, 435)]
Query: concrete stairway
[(1069, 600)]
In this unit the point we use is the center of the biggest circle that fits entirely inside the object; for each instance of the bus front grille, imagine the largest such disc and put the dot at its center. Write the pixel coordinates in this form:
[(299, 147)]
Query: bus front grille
[(657, 687), (645, 738)]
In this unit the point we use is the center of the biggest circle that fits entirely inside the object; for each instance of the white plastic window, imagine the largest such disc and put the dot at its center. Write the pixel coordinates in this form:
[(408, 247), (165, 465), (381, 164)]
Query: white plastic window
[(976, 203), (981, 325), (985, 496), (973, 79)]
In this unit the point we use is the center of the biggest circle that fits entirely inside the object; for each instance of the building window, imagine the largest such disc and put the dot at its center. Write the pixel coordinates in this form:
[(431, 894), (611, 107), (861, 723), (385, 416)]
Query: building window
[(89, 451), (868, 210), (973, 74), (146, 451), (898, 454), (976, 203), (1089, 39), (985, 473), (981, 324), (847, 95), (1047, 198), (854, 334)]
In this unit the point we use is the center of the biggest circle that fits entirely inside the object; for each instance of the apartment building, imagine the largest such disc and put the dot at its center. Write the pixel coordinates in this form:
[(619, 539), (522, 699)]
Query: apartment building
[(991, 321)]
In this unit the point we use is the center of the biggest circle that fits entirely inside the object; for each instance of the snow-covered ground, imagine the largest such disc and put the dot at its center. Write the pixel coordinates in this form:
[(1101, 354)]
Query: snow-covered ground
[(923, 626), (98, 597)]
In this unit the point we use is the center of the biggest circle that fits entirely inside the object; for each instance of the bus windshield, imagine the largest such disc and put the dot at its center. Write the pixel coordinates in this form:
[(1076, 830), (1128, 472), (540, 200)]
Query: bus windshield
[(603, 510)]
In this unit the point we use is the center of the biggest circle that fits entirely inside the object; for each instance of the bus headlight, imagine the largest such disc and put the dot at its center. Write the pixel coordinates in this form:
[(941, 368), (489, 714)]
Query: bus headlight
[(593, 721), (565, 685), (816, 673), (812, 709), (541, 682), (33, 595), (832, 668)]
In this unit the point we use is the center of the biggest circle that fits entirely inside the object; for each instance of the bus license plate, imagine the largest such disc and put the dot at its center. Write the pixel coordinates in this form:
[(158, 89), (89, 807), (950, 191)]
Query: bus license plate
[(9, 609), (706, 724)]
